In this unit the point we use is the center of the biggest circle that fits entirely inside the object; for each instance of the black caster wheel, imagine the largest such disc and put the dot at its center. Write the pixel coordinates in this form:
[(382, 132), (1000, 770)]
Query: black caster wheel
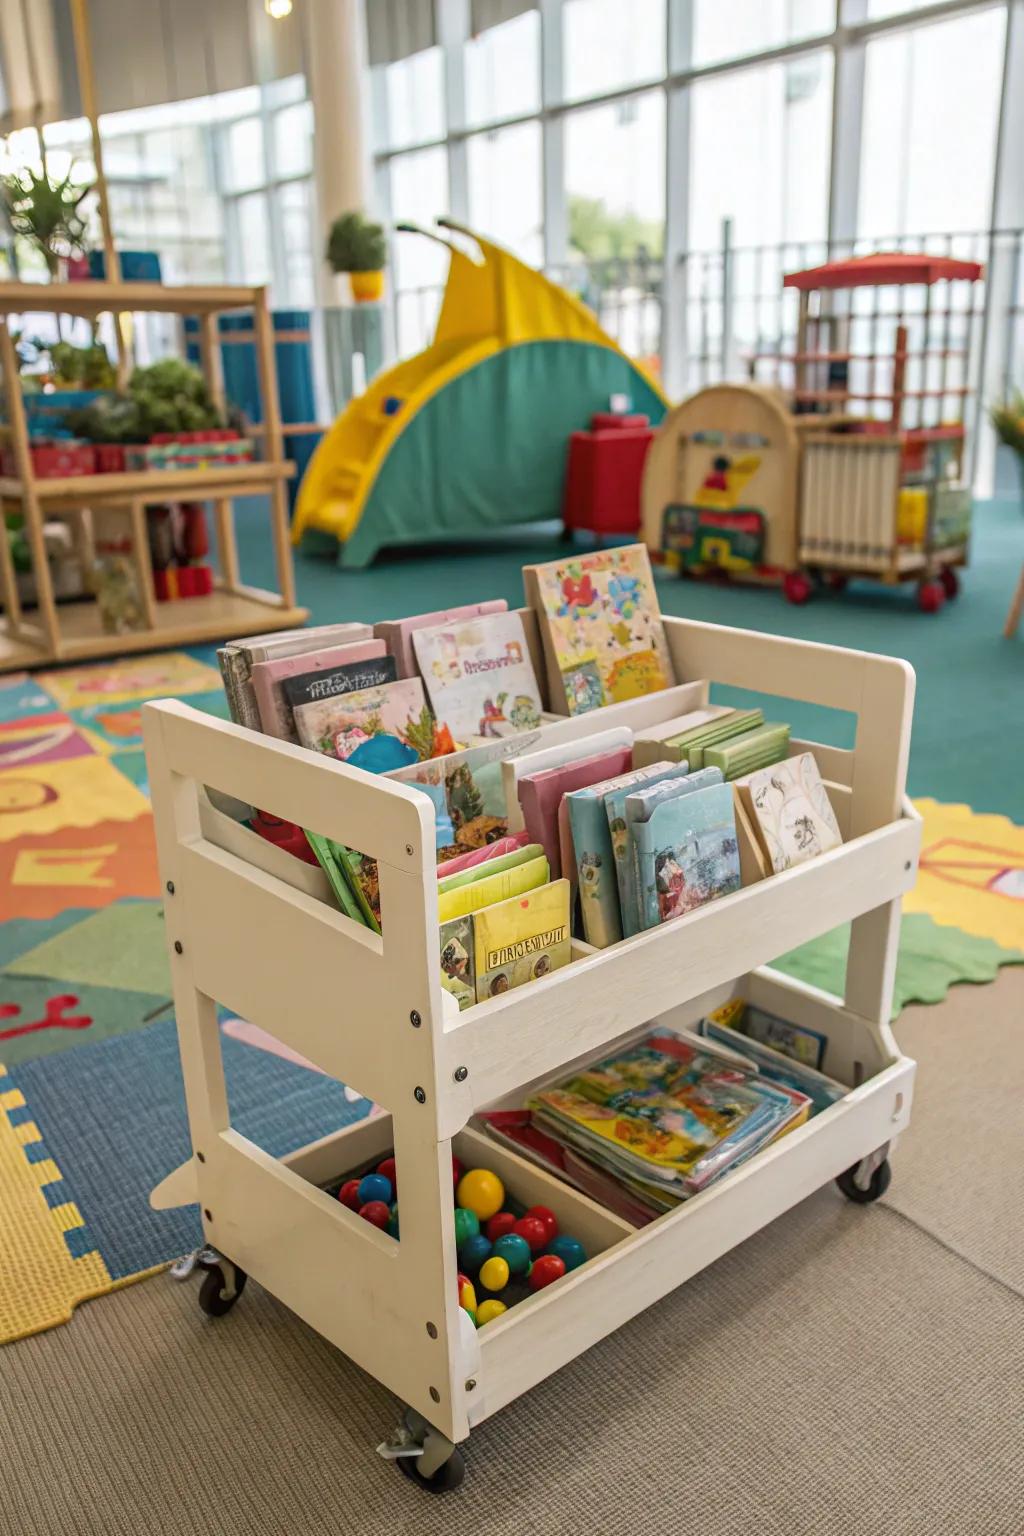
[(446, 1479), (212, 1300), (880, 1181)]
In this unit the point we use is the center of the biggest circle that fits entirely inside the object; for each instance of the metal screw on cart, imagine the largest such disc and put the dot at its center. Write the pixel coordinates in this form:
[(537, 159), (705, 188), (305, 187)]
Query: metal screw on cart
[(460, 1074), (432, 1330), (208, 1214), (419, 1095), (170, 887), (409, 849), (179, 948), (435, 1395), (415, 1020), (470, 1384), (907, 864), (200, 1157)]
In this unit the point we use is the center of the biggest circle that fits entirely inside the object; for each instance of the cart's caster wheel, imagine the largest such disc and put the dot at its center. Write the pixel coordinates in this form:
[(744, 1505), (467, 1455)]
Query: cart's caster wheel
[(212, 1299), (446, 1479), (950, 581), (879, 1183), (796, 587), (837, 581), (930, 596)]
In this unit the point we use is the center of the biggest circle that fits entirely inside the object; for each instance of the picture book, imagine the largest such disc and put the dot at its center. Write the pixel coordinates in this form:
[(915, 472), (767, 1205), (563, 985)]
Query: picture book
[(754, 863), (615, 811), (275, 712), (601, 628), (651, 744), (790, 810), (639, 805), (595, 856), (491, 888), (473, 789), (754, 749), (458, 960), (495, 850), (352, 676), (478, 675), (521, 940), (542, 758), (330, 862), (797, 1041), (686, 854), (822, 1091), (238, 658), (339, 726), (540, 795), (397, 633), (484, 871), (694, 742)]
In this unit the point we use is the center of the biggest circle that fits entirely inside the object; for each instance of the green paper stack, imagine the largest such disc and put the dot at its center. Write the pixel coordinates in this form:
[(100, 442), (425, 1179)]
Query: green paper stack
[(744, 754), (694, 743)]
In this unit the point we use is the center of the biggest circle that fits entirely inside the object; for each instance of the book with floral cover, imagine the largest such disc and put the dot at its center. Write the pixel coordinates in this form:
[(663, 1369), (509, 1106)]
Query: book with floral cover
[(479, 676)]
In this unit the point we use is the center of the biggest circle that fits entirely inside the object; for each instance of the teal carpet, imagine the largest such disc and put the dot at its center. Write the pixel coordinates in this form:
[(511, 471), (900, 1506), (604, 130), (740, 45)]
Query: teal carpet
[(968, 742)]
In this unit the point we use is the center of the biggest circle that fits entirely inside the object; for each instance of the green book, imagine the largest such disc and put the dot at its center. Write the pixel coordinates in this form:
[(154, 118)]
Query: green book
[(694, 743), (744, 754), (326, 853)]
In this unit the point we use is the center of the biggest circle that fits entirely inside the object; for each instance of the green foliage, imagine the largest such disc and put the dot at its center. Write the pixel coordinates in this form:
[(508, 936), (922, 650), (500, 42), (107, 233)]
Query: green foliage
[(419, 734), (601, 235), (81, 367), (46, 213), (1008, 420), (356, 244), (171, 396), (112, 419)]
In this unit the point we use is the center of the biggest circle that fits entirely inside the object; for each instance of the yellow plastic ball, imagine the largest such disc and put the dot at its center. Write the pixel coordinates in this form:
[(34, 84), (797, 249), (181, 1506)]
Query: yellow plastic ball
[(467, 1296), (481, 1192), (488, 1310), (494, 1274)]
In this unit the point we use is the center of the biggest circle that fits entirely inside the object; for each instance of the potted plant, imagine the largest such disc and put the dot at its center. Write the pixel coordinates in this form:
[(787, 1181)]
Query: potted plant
[(48, 214), (1008, 420), (358, 246)]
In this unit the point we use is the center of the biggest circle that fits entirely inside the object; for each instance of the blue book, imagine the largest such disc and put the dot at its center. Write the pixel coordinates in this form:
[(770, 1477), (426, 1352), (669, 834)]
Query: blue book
[(595, 858), (640, 805), (687, 854), (615, 810)]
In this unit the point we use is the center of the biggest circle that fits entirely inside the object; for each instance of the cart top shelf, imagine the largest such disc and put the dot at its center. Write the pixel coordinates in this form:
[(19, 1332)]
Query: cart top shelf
[(99, 298)]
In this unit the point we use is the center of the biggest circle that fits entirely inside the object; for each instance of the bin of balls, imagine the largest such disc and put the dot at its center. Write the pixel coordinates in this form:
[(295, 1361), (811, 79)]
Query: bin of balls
[(506, 1251)]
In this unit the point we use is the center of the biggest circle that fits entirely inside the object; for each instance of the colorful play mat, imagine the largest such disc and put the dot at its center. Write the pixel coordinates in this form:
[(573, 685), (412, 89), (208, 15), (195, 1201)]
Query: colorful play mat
[(91, 1105)]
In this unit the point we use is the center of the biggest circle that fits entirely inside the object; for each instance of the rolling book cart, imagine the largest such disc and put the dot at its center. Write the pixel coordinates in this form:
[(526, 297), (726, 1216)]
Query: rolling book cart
[(370, 1010)]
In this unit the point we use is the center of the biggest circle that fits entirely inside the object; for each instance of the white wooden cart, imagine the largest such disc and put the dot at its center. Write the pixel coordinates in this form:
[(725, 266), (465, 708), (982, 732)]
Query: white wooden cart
[(371, 1012)]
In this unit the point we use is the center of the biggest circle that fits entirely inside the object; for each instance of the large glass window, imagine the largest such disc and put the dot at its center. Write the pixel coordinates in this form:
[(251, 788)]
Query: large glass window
[(419, 192), (731, 29), (414, 89), (505, 199), (615, 178), (607, 44), (503, 70)]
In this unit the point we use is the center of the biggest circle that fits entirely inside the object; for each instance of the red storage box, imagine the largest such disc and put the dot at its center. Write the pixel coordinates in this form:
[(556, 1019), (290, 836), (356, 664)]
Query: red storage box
[(603, 478)]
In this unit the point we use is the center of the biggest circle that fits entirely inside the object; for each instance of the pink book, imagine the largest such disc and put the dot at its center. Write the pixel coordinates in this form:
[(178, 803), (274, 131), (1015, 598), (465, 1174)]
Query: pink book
[(481, 855), (540, 795), (397, 633), (276, 715)]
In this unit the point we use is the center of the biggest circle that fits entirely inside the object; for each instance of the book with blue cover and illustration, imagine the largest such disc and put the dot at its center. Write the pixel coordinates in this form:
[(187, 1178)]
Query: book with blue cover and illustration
[(639, 805), (687, 854), (595, 857), (615, 811)]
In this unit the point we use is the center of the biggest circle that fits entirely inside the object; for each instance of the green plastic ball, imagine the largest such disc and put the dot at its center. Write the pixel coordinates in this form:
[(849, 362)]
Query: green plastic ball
[(467, 1225)]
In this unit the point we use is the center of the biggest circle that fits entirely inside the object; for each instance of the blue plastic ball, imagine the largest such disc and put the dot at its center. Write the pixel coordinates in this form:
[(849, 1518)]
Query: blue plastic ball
[(392, 1226), (375, 1187), (474, 1252), (569, 1249), (515, 1250)]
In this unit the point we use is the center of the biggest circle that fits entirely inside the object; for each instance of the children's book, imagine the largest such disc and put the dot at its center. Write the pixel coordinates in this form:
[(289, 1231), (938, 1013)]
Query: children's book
[(543, 758), (351, 676), (790, 810), (397, 633), (778, 1066), (339, 726), (639, 805), (595, 856), (484, 871), (540, 795), (754, 749), (479, 676), (238, 658), (601, 627), (651, 744), (329, 859), (268, 677), (692, 743), (687, 854), (458, 960), (473, 789), (495, 850), (521, 940), (615, 811), (491, 888)]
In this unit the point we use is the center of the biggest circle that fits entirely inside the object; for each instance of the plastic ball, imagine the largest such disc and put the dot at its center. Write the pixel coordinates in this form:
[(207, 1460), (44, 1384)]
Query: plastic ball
[(376, 1212), (488, 1310), (532, 1229), (387, 1170), (474, 1252), (500, 1225), (348, 1194), (467, 1225), (375, 1187), (480, 1191), (471, 1314), (494, 1274), (569, 1249), (392, 1226), (548, 1217), (467, 1294), (456, 1172), (548, 1268), (515, 1250)]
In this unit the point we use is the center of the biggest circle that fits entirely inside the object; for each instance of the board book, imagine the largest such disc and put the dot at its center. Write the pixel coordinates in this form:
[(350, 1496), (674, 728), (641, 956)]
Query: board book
[(615, 812), (601, 628), (330, 861), (474, 792), (353, 675), (640, 804), (686, 854), (693, 742), (515, 881), (495, 850), (238, 657), (478, 675), (397, 633), (753, 749), (339, 726), (595, 856), (651, 741), (268, 677), (790, 811), (521, 940), (542, 758), (488, 867), (540, 795)]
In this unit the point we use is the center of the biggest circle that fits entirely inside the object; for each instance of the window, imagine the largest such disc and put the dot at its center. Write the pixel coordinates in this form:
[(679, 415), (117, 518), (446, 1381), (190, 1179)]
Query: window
[(245, 165), (503, 70), (731, 29), (293, 140), (931, 112), (505, 199), (615, 178), (607, 44), (419, 192), (294, 208), (414, 91), (253, 254)]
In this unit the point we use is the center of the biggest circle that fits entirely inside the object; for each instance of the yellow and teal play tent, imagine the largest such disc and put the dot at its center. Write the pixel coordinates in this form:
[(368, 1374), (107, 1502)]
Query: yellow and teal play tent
[(471, 433)]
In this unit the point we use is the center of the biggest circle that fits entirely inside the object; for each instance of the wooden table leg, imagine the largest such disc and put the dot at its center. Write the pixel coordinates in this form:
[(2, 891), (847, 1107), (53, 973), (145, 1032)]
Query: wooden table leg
[(1016, 609)]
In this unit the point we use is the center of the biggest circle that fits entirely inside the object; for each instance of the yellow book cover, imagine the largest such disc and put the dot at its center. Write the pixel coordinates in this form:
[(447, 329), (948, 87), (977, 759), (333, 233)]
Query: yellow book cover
[(521, 940), (499, 887)]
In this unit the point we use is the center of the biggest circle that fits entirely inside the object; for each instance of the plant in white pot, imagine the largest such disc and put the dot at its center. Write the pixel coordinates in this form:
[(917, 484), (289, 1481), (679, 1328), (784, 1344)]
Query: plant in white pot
[(358, 246)]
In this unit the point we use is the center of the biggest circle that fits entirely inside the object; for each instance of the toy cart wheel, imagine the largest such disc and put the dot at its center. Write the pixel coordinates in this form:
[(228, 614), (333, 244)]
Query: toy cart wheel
[(796, 586), (950, 581), (879, 1182), (217, 1294), (446, 1479), (837, 581), (930, 596)]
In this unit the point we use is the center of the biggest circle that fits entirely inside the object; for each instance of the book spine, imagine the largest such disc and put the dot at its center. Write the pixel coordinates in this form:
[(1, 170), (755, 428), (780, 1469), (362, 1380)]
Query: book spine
[(598, 886), (235, 670)]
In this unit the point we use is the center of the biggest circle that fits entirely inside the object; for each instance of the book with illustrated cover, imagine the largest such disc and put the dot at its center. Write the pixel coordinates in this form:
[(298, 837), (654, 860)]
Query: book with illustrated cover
[(353, 878), (595, 855), (268, 677), (541, 794), (511, 859), (478, 675), (458, 960), (687, 854), (473, 789), (521, 940), (727, 1026), (351, 676), (640, 804), (615, 811), (753, 749), (514, 881), (339, 726), (791, 813), (238, 657), (601, 626), (397, 633), (540, 759), (495, 850), (328, 857)]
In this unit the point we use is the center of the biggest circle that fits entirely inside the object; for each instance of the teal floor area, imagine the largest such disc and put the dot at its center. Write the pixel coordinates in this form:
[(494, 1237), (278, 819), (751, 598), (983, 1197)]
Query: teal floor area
[(968, 742)]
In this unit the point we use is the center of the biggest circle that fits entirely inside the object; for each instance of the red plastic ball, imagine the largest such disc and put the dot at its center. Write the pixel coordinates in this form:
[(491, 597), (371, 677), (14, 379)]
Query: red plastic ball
[(544, 1271), (390, 1172), (348, 1194), (545, 1215), (379, 1214), (456, 1172), (500, 1225), (533, 1231)]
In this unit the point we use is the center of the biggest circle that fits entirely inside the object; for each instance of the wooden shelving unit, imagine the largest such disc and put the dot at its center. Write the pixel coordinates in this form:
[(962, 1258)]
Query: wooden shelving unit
[(74, 631)]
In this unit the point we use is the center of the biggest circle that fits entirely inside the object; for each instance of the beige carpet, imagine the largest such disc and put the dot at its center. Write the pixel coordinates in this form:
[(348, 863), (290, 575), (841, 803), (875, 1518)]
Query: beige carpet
[(844, 1373)]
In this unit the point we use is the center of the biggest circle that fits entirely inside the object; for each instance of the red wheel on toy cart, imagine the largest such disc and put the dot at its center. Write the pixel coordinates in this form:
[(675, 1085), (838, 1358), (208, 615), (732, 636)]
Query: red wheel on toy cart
[(796, 587), (950, 581), (930, 596)]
